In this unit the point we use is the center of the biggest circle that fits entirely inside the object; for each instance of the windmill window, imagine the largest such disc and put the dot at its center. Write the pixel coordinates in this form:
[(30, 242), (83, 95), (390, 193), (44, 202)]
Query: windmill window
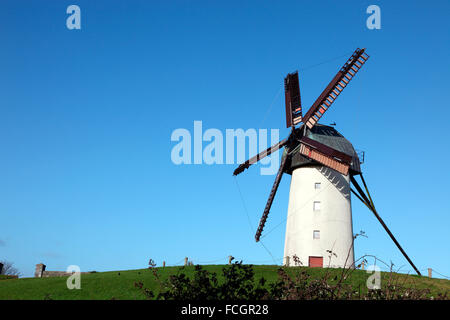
[(316, 234), (316, 206), (317, 185)]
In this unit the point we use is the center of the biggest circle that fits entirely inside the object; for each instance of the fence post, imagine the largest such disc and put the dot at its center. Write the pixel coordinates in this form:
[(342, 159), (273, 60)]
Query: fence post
[(1, 267), (186, 261), (229, 259), (430, 272), (362, 265), (286, 261)]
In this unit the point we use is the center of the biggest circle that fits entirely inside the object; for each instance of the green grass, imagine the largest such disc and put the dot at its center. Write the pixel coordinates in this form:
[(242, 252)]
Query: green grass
[(108, 285)]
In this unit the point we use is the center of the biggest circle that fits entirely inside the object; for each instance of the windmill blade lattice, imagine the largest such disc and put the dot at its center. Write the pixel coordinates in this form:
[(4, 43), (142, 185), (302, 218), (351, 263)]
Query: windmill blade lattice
[(335, 87), (293, 100), (262, 222), (259, 156)]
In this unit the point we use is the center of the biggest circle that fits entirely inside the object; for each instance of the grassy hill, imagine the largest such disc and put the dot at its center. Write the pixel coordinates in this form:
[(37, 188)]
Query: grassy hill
[(120, 284)]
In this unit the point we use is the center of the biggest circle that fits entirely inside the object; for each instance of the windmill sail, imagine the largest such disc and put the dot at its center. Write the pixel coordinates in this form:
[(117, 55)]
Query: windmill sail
[(335, 87), (259, 156), (262, 222), (292, 100)]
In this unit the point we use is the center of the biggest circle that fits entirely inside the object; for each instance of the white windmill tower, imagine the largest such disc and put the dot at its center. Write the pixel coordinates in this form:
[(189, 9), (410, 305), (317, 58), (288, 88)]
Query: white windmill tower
[(322, 164), (319, 210)]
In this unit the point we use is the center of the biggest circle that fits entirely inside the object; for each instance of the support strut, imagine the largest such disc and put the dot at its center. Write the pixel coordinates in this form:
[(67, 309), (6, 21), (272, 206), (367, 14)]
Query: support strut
[(370, 205)]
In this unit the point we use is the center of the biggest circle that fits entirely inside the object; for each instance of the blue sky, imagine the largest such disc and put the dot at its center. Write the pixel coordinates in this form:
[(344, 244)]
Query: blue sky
[(86, 117)]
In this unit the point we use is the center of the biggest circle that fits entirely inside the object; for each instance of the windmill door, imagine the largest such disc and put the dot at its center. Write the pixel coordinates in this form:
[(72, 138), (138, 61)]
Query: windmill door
[(315, 262)]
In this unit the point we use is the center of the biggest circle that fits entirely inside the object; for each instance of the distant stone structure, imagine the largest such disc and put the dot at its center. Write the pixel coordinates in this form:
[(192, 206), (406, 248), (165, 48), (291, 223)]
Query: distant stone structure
[(40, 268), (41, 273)]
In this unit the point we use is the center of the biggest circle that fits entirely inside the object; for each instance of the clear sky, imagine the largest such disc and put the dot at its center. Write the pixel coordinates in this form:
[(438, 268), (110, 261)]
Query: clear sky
[(86, 117)]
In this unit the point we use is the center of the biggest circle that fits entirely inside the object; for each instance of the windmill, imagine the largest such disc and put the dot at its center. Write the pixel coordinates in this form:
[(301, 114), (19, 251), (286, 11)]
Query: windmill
[(323, 165)]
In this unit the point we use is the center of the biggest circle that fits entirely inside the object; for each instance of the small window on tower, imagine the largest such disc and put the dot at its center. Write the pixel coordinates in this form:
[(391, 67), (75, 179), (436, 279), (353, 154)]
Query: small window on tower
[(316, 234), (317, 185), (316, 206)]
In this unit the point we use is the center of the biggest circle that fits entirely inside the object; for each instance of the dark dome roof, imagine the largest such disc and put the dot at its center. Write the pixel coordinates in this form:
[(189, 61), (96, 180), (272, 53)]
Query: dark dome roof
[(329, 136)]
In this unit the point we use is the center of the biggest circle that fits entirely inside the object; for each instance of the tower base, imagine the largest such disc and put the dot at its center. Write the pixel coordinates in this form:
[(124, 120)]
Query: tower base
[(319, 230)]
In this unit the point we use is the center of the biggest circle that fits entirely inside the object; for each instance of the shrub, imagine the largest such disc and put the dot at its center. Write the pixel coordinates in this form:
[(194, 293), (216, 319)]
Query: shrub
[(239, 283), (7, 277)]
